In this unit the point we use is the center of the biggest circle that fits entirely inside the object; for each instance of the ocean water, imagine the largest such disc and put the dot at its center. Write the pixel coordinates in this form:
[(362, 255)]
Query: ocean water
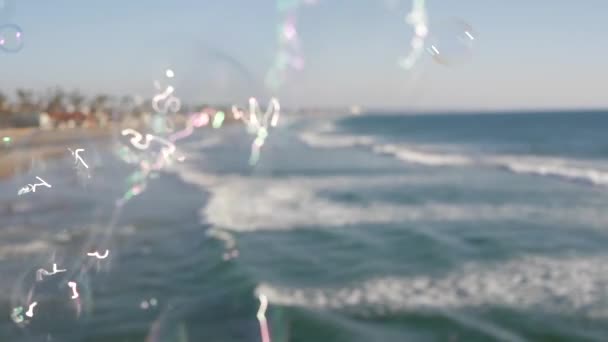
[(478, 227)]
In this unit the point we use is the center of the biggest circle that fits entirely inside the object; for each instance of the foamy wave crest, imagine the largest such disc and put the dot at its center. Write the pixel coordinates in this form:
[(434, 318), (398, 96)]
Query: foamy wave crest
[(282, 204), (325, 136), (250, 204), (22, 249), (424, 158), (321, 136), (573, 170), (328, 141), (566, 169), (554, 285)]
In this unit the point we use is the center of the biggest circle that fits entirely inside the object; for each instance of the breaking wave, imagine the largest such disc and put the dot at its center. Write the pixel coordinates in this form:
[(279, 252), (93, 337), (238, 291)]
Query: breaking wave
[(326, 136)]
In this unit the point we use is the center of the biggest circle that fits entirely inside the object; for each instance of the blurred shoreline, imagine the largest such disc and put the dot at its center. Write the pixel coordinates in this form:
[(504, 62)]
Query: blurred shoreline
[(20, 145), (27, 144)]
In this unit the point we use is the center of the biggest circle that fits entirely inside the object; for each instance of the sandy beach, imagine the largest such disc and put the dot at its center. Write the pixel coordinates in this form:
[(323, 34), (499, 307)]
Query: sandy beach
[(27, 144)]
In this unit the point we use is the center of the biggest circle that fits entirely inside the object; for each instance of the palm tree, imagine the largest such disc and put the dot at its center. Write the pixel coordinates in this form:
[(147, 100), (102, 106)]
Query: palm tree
[(25, 100), (55, 103), (99, 103), (41, 103), (76, 99), (3, 100), (127, 106), (126, 101)]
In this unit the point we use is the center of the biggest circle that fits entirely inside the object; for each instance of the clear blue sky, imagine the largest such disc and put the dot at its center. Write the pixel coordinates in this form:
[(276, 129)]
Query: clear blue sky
[(528, 54)]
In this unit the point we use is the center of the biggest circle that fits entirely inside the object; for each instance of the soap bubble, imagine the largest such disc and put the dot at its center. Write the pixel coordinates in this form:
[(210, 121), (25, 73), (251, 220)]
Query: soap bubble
[(218, 119), (11, 38), (451, 42), (45, 305), (216, 74)]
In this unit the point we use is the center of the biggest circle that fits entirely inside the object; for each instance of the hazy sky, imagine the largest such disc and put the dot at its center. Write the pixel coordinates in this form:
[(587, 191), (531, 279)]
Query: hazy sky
[(527, 54)]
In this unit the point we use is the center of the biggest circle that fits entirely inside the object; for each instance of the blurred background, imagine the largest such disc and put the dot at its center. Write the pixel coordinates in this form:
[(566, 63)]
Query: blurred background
[(303, 170)]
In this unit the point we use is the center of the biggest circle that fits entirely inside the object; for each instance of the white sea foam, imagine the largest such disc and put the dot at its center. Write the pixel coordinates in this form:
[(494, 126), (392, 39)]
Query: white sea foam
[(318, 140), (400, 152), (335, 141), (554, 167), (251, 203), (240, 203), (325, 136), (321, 136), (419, 157), (574, 285), (22, 249), (568, 169)]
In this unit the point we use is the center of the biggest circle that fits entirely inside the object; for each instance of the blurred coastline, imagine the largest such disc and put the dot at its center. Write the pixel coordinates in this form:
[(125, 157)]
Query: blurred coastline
[(34, 143), (43, 129), (440, 214)]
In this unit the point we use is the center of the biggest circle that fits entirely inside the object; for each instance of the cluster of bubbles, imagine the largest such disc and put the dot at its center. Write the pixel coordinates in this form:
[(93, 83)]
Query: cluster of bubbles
[(64, 295), (45, 302), (49, 298), (11, 34), (149, 160), (448, 43), (147, 304), (138, 152), (289, 55)]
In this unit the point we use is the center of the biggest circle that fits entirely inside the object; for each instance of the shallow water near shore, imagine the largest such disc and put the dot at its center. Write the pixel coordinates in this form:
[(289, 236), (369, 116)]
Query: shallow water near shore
[(368, 228)]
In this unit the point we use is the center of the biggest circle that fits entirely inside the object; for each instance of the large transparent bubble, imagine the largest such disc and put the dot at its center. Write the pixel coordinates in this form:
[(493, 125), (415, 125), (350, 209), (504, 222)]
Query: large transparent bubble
[(11, 38), (451, 42), (50, 300)]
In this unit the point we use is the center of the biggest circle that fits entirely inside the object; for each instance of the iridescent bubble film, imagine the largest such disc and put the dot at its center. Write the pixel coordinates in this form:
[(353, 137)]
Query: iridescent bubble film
[(451, 42), (11, 38)]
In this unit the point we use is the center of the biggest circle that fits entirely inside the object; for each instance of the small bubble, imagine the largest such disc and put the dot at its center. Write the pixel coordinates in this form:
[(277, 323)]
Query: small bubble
[(200, 119), (17, 315), (11, 38), (218, 119), (451, 42), (289, 31)]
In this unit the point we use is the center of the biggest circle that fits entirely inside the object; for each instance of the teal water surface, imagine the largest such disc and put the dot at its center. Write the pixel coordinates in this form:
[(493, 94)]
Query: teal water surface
[(369, 228)]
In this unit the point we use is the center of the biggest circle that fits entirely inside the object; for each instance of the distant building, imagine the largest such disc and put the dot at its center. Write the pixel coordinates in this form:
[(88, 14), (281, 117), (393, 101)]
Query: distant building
[(24, 119), (44, 121)]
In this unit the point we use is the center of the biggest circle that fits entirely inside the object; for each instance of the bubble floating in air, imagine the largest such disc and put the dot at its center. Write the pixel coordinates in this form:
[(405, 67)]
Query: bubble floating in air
[(289, 54), (48, 304), (11, 38), (451, 42)]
